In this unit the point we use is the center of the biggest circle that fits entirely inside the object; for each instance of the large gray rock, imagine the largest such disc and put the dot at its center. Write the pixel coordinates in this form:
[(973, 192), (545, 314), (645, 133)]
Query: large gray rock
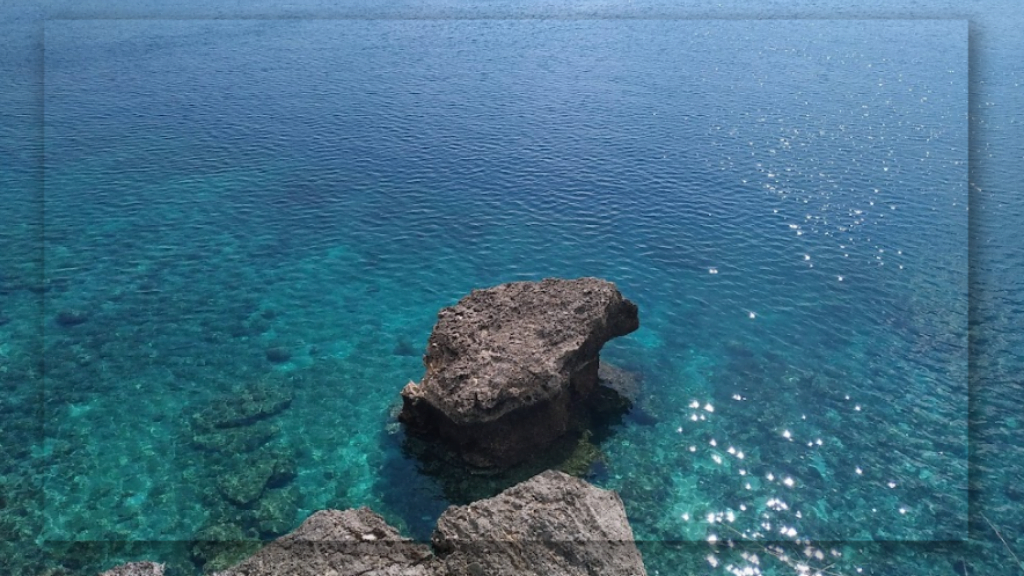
[(340, 543), (506, 365), (552, 524)]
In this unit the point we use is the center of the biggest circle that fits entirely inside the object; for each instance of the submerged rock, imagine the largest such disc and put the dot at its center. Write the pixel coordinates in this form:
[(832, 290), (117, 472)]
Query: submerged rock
[(238, 421), (506, 365), (234, 440), (624, 382), (243, 406), (222, 545), (404, 347), (275, 511), (584, 455), (247, 475), (71, 317), (136, 569), (278, 354)]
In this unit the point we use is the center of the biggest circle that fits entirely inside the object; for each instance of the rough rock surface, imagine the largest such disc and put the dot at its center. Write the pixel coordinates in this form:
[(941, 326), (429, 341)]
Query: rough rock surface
[(551, 524), (341, 543), (136, 569), (505, 365)]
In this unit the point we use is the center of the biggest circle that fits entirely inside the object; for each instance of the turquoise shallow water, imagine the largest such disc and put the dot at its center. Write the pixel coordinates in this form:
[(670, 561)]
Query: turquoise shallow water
[(786, 203)]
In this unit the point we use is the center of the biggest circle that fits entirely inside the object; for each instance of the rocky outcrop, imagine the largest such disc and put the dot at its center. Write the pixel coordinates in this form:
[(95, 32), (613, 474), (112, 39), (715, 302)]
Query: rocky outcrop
[(506, 365), (551, 524), (341, 543)]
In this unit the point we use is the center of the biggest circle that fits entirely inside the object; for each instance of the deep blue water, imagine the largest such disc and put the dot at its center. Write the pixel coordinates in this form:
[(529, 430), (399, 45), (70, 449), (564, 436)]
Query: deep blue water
[(786, 201)]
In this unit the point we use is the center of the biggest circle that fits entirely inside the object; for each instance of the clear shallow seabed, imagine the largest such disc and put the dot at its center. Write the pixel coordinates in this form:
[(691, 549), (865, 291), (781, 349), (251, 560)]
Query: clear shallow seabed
[(786, 202)]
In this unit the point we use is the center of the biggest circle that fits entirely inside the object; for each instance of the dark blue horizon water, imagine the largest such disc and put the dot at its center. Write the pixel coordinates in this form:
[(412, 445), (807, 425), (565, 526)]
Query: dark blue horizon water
[(785, 201)]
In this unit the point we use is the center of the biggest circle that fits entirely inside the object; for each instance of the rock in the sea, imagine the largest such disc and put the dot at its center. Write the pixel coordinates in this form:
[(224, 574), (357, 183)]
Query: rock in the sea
[(621, 394), (341, 543), (624, 382), (506, 365), (275, 511), (136, 569), (245, 405), (234, 440), (238, 422), (248, 475), (550, 524)]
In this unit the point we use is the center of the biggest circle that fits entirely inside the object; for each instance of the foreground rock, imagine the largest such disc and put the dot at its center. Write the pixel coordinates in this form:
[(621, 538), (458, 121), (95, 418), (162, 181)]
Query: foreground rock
[(505, 366), (551, 524), (341, 543)]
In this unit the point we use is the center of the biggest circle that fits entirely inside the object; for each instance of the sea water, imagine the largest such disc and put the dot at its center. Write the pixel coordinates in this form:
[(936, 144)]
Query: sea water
[(786, 202)]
